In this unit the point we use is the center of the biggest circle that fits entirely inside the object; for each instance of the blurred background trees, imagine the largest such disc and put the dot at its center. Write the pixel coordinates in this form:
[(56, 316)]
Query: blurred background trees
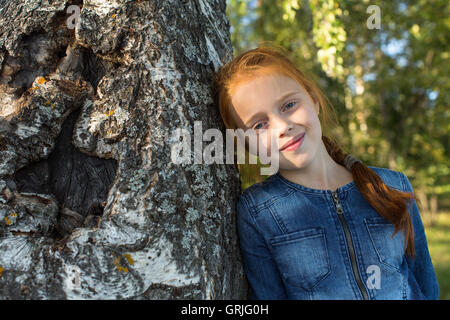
[(389, 85)]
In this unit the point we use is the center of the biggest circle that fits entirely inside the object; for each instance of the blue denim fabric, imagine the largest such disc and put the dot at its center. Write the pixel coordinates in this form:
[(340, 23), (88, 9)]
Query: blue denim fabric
[(294, 245)]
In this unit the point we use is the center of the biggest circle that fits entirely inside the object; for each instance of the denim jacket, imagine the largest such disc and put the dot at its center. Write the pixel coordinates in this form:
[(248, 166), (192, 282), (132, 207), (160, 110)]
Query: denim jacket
[(302, 243)]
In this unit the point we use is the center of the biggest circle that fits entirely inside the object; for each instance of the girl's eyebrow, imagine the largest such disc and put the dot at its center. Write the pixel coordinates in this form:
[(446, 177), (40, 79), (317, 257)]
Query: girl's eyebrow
[(281, 98), (284, 96), (256, 115)]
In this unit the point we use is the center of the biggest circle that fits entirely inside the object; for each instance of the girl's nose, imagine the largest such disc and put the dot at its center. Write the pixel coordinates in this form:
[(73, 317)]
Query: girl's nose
[(283, 126)]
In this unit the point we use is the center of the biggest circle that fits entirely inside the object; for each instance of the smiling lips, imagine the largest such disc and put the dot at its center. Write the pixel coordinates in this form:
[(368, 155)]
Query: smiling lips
[(294, 143)]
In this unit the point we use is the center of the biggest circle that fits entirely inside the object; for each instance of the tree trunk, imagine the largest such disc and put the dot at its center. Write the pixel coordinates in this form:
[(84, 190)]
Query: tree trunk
[(91, 205), (434, 208)]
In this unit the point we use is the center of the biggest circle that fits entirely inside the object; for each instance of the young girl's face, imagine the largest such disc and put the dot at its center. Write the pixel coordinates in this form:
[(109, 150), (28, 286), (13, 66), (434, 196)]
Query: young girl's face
[(279, 109)]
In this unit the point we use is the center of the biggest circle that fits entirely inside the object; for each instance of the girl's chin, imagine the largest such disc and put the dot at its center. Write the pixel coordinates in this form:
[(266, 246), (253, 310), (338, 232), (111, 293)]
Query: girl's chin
[(293, 162)]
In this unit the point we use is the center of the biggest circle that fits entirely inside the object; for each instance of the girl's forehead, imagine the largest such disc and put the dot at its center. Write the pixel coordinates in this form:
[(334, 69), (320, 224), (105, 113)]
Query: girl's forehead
[(275, 80), (265, 87)]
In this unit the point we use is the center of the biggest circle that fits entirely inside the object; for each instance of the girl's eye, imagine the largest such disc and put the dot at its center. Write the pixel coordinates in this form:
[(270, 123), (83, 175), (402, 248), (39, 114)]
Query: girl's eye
[(259, 126), (290, 105)]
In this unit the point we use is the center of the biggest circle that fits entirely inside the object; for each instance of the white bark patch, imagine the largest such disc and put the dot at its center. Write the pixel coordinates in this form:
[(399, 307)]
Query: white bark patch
[(82, 138), (8, 162), (101, 7), (97, 117), (24, 131), (214, 57), (16, 253), (163, 70), (135, 269), (104, 149), (156, 266), (7, 104), (209, 289), (209, 14), (72, 281)]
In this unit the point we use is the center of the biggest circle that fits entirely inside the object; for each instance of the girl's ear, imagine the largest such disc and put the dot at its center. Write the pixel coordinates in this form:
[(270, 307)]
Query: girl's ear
[(317, 107)]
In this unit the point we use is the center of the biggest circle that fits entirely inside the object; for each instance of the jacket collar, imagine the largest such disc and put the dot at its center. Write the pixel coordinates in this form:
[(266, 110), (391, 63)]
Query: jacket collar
[(302, 188)]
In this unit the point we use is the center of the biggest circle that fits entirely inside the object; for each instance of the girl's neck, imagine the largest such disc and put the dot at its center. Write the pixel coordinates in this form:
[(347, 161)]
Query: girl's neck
[(321, 173)]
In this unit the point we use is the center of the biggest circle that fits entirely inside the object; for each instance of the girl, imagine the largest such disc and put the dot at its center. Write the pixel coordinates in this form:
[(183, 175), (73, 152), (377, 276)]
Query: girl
[(324, 226)]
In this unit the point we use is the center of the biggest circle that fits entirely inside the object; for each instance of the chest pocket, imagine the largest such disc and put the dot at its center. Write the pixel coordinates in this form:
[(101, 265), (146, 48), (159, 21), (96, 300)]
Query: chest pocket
[(390, 250), (302, 257)]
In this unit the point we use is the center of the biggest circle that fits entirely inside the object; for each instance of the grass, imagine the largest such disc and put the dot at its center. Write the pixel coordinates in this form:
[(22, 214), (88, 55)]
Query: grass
[(438, 238)]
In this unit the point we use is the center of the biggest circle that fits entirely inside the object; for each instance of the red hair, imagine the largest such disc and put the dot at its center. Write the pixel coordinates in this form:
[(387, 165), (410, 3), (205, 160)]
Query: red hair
[(388, 202)]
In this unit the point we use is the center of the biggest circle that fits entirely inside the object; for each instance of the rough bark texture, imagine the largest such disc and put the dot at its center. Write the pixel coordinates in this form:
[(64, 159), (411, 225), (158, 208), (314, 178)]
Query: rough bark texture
[(91, 206)]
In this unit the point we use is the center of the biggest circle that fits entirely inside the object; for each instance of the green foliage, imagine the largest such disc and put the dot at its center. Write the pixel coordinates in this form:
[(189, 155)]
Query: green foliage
[(329, 35)]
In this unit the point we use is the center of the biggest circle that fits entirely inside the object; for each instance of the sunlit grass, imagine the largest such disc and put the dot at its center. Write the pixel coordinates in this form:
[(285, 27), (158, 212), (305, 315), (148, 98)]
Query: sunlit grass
[(438, 237)]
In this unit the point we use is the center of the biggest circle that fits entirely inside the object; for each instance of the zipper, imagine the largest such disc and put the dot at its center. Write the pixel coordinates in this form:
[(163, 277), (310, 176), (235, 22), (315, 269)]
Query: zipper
[(350, 247)]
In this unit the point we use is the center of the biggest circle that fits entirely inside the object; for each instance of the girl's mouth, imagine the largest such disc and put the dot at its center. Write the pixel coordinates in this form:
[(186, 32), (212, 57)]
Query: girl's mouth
[(294, 143)]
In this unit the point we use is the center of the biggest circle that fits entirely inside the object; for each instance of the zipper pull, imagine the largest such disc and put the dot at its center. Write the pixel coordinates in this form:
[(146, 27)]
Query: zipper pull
[(338, 204), (335, 196)]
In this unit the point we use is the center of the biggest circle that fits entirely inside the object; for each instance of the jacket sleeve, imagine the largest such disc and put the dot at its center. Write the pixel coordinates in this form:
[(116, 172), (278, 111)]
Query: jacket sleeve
[(421, 265), (262, 274)]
